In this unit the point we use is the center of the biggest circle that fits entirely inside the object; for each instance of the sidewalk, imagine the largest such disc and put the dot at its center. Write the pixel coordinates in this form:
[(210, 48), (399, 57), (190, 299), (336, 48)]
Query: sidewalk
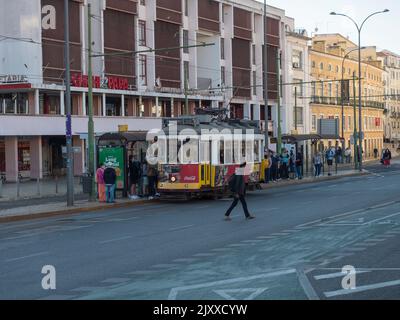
[(312, 179), (30, 189)]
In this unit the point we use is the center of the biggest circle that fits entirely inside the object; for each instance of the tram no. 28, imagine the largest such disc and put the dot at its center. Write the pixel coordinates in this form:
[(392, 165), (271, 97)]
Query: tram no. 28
[(197, 155)]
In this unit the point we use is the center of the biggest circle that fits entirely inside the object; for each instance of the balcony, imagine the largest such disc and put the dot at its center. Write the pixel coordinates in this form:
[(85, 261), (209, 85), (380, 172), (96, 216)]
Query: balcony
[(337, 101)]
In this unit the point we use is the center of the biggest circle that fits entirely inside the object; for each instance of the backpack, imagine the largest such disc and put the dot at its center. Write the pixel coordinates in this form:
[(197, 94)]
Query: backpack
[(232, 183)]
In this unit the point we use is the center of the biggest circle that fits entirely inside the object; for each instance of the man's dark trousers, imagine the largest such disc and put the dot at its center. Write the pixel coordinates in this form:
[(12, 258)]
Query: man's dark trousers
[(235, 203)]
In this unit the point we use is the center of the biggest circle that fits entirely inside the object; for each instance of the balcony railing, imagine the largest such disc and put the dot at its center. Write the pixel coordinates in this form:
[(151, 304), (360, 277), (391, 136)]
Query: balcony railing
[(338, 101)]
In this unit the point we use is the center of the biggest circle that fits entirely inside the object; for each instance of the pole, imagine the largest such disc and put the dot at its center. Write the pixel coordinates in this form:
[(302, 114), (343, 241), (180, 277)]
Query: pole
[(295, 108), (360, 143), (355, 121), (68, 136), (279, 144), (186, 94), (266, 113), (90, 108)]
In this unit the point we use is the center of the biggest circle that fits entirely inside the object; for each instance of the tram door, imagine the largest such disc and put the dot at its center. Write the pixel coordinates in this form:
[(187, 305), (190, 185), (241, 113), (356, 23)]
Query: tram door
[(205, 163)]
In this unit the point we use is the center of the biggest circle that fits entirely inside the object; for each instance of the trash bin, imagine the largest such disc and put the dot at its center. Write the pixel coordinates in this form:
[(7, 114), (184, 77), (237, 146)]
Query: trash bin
[(87, 184)]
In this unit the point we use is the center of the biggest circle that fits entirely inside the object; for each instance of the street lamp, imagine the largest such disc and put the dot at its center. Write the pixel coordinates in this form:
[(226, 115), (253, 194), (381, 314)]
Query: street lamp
[(359, 29), (342, 101)]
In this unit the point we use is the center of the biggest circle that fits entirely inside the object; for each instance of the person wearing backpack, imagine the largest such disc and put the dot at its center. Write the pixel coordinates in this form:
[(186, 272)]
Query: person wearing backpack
[(237, 186), (110, 178), (330, 155)]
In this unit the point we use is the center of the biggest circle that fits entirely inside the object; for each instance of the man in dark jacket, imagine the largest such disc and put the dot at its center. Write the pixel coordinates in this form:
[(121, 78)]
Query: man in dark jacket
[(238, 187), (110, 177)]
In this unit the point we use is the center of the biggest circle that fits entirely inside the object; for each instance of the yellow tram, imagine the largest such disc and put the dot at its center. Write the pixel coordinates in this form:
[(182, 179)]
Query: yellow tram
[(199, 154)]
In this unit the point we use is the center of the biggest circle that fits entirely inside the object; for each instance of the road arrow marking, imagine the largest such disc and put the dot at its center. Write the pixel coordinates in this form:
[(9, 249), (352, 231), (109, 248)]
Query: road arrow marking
[(227, 294)]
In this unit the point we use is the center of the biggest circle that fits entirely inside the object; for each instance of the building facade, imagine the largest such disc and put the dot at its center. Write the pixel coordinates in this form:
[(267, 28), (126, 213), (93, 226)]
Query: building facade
[(328, 68), (135, 90), (391, 82)]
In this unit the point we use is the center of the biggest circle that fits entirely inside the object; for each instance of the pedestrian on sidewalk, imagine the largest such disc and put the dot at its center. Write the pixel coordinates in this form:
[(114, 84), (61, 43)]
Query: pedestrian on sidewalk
[(387, 157), (110, 178), (101, 187), (317, 161), (274, 167), (285, 165), (347, 154), (152, 178), (330, 155), (339, 158), (299, 165), (135, 171), (266, 167), (376, 152), (238, 186)]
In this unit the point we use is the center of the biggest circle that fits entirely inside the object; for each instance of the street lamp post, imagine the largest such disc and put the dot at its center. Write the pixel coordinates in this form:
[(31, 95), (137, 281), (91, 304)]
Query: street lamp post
[(359, 29), (342, 102)]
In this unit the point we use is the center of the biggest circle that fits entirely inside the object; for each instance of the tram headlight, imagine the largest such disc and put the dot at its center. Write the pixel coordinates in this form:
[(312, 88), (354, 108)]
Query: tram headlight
[(173, 179)]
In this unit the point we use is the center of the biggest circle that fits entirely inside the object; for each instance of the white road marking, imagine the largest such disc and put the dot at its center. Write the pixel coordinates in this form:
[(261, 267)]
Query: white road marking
[(174, 291), (27, 257), (114, 240), (181, 228), (376, 220), (335, 275), (306, 285), (254, 293), (375, 286)]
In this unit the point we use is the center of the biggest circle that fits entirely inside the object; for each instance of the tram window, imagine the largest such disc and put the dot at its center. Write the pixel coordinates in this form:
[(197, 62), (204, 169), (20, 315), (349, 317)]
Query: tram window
[(221, 152), (257, 150)]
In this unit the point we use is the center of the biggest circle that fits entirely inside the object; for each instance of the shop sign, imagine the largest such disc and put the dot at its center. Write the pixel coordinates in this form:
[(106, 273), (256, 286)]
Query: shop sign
[(13, 78), (113, 83)]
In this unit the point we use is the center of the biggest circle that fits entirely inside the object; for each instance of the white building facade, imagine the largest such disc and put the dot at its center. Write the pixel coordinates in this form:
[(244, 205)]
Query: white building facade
[(136, 90)]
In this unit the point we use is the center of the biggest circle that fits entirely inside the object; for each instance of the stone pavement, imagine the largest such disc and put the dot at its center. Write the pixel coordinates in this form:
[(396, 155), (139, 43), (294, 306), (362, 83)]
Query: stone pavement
[(28, 189)]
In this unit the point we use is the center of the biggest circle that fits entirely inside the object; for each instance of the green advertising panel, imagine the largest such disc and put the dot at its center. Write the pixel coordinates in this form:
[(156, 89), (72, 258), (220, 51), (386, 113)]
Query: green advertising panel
[(114, 157)]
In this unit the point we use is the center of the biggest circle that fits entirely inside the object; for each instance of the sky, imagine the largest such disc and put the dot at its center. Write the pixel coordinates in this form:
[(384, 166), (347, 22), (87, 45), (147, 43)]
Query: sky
[(381, 30)]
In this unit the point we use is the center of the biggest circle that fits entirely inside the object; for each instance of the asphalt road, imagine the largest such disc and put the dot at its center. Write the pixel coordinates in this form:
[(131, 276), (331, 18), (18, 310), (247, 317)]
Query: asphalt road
[(295, 249)]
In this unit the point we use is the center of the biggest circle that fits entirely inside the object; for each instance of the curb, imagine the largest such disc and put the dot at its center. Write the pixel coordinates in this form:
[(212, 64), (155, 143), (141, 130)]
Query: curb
[(310, 181), (72, 211)]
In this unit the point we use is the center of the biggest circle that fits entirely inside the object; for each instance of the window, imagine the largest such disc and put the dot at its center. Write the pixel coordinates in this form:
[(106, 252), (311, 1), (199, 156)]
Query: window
[(142, 2), (337, 69), (313, 89), (222, 76), (299, 86), (254, 83), (254, 54), (222, 48), (185, 41), (297, 59), (314, 122), (186, 8), (298, 115), (313, 64), (329, 67), (142, 33), (143, 70), (186, 70), (321, 66)]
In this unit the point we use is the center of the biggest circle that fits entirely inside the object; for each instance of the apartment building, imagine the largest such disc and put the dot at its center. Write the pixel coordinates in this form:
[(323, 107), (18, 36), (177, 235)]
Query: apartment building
[(332, 59), (135, 90), (391, 82)]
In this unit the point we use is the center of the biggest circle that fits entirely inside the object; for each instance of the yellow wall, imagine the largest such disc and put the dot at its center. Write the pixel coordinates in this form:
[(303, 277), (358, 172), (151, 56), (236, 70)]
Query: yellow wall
[(326, 65)]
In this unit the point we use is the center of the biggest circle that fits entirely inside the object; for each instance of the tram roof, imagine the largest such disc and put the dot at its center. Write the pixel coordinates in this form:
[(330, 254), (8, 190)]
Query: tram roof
[(194, 123)]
